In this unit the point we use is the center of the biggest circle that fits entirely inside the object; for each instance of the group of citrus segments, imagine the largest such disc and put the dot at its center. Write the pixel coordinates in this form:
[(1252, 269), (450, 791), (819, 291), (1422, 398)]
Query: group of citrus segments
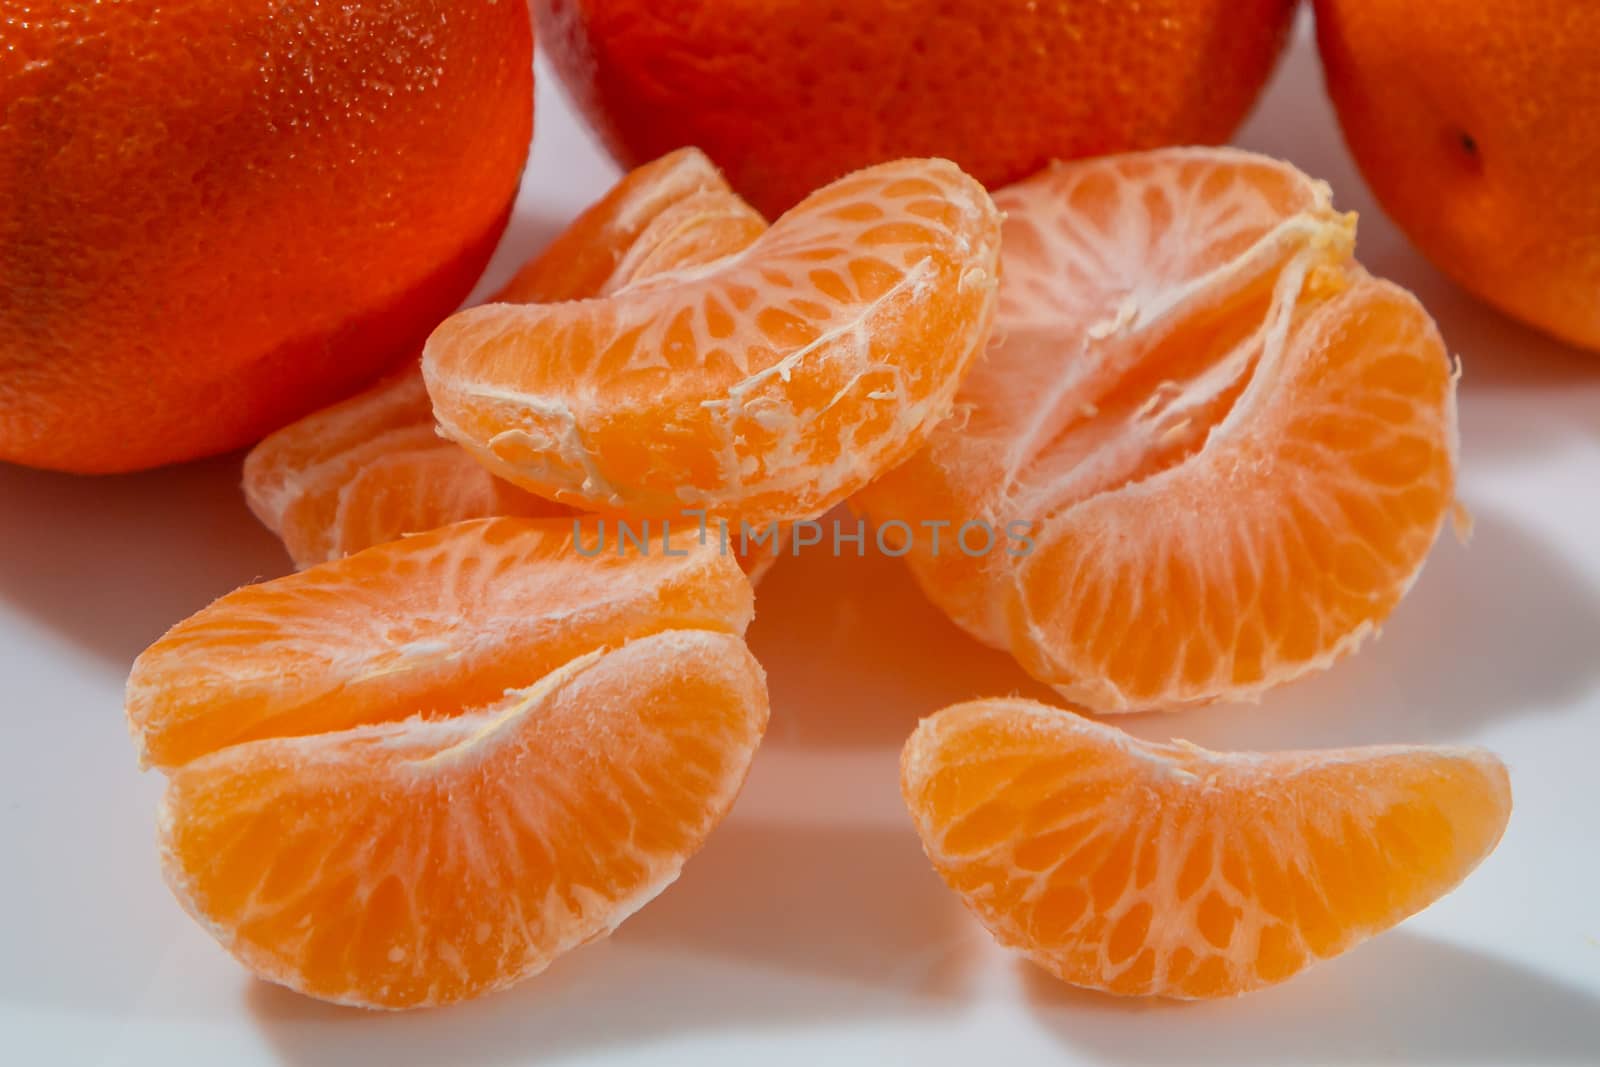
[(461, 741)]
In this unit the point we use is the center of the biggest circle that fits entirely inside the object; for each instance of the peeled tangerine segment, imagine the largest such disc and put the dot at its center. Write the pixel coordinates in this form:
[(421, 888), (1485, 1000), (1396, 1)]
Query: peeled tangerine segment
[(423, 772), (1230, 447), (1166, 870), (374, 468), (583, 259), (435, 625), (766, 386)]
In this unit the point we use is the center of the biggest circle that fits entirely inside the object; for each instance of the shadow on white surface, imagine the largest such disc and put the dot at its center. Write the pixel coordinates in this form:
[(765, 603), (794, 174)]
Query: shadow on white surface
[(858, 905), (855, 654), (1401, 998), (109, 563)]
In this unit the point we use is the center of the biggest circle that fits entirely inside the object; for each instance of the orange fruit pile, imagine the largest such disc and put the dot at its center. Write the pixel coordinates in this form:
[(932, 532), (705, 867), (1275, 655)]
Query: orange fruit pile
[(1148, 869), (465, 740), (422, 772), (1476, 125), (218, 217), (788, 96), (1231, 447)]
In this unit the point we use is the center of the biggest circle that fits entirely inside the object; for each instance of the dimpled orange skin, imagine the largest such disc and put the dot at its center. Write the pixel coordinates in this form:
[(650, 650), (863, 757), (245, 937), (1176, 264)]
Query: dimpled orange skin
[(217, 216), (1477, 124), (787, 95)]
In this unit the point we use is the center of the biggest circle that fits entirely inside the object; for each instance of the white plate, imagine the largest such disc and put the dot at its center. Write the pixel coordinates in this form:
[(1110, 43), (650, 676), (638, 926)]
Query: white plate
[(811, 930)]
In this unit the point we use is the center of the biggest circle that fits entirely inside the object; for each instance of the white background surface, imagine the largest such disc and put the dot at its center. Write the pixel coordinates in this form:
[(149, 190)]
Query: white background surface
[(811, 930)]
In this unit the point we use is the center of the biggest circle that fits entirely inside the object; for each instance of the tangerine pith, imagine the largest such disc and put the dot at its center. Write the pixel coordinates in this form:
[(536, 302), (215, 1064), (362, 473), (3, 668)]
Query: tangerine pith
[(1231, 447)]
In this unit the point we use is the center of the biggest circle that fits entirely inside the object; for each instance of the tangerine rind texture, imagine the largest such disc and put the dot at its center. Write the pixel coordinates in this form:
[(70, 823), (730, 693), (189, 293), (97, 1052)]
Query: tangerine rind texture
[(789, 96), (221, 216)]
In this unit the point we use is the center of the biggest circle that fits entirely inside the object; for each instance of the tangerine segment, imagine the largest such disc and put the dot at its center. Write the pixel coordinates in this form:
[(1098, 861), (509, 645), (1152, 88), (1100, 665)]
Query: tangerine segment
[(373, 468), (698, 230), (444, 621), (1229, 447), (579, 262), (422, 862), (765, 387), (1166, 870)]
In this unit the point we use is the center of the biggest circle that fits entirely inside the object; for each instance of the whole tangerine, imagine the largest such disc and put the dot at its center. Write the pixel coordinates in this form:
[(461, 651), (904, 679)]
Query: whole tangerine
[(1477, 125), (216, 216), (787, 95)]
